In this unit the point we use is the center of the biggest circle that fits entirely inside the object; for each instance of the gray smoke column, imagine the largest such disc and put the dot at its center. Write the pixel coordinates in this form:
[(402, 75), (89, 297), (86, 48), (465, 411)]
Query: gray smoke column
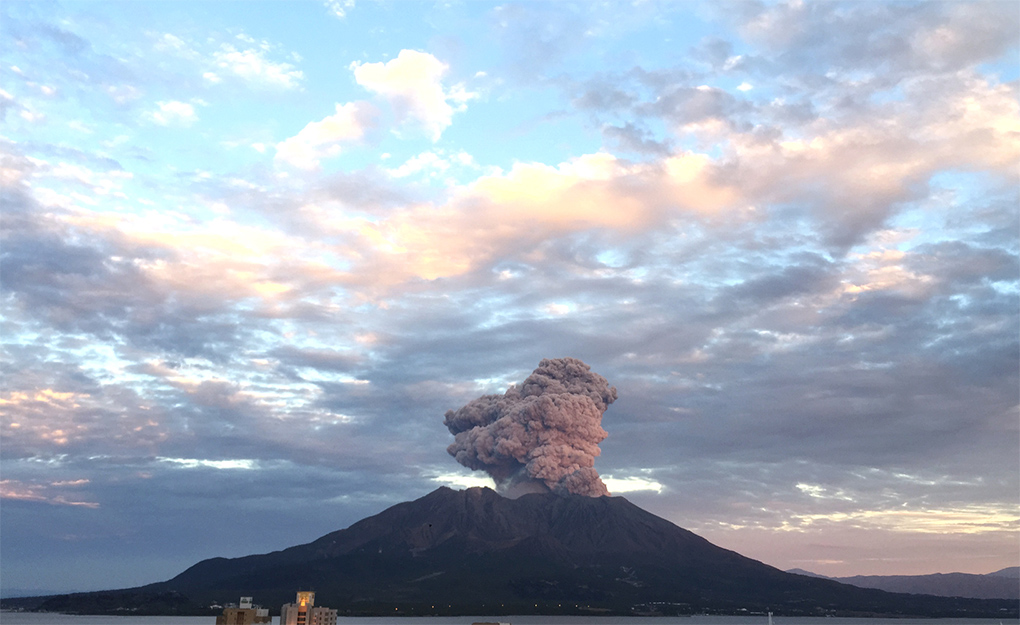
[(540, 436)]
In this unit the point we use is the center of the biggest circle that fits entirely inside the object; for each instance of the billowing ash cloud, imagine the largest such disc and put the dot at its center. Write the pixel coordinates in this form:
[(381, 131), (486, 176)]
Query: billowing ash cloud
[(540, 436)]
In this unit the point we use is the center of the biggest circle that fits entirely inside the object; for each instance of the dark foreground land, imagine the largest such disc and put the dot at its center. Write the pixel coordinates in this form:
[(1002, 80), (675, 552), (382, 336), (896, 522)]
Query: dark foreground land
[(474, 552)]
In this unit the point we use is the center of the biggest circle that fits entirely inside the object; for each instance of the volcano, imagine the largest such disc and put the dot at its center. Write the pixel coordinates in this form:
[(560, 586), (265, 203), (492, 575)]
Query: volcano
[(476, 552)]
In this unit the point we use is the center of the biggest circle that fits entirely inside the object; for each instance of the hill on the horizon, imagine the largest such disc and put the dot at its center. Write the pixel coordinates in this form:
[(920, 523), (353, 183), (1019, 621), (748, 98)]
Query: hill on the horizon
[(476, 552), (1002, 584), (1012, 572)]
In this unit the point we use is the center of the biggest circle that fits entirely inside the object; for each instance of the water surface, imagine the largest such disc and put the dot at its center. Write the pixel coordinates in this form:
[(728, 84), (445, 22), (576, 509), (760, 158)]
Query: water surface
[(31, 618)]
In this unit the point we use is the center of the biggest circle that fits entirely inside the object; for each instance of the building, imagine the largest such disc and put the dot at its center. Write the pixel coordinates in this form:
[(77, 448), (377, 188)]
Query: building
[(244, 613), (304, 612)]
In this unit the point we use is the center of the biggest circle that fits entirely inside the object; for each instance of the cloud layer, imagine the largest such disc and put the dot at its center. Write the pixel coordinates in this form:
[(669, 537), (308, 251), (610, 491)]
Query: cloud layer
[(245, 267)]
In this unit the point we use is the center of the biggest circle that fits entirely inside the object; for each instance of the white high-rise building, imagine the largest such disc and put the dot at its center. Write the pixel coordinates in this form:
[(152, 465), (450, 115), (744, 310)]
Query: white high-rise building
[(304, 612)]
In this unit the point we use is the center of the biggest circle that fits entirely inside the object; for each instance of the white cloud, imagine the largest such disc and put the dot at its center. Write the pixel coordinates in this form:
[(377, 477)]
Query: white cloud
[(176, 46), (412, 83), (253, 66), (557, 309), (430, 161), (339, 8), (173, 113), (323, 139), (246, 60), (79, 126), (30, 114), (123, 94), (617, 486), (194, 463), (433, 164), (465, 481)]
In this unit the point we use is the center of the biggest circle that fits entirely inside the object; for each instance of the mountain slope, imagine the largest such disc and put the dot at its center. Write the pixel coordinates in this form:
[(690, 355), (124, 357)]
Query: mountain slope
[(475, 552), (474, 547), (1012, 572)]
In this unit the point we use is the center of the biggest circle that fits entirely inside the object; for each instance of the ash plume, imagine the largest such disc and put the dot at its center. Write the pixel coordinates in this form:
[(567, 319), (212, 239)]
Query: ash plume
[(540, 436)]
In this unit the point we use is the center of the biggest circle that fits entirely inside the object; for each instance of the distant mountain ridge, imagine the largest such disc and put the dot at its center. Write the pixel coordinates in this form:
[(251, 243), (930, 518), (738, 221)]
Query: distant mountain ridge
[(476, 552), (1002, 584), (1012, 572)]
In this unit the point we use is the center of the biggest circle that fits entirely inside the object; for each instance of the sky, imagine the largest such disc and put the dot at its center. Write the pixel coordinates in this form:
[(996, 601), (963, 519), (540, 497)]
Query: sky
[(253, 252)]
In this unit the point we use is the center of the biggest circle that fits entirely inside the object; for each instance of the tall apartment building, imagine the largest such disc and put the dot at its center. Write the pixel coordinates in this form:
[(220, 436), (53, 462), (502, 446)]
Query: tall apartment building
[(304, 612)]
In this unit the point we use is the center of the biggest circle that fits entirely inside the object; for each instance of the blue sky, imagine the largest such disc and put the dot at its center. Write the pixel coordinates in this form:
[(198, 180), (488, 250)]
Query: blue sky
[(252, 253)]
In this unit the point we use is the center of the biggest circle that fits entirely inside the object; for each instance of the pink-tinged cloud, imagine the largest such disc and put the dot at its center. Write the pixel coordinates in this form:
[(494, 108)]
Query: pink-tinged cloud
[(854, 172), (510, 214), (52, 421), (217, 265), (44, 493), (541, 436)]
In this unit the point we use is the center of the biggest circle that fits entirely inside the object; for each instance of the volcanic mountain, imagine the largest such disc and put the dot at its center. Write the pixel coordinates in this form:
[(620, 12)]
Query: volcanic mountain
[(476, 552)]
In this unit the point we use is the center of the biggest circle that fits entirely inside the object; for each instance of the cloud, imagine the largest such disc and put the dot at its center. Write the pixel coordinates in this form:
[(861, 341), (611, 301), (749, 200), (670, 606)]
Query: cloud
[(7, 103), (426, 161), (621, 485), (171, 43), (857, 144), (631, 138), (412, 84), (931, 37), (803, 292), (512, 213), (535, 37), (339, 8), (15, 490), (252, 66), (433, 164), (173, 113), (456, 480), (74, 286), (853, 173), (326, 138), (241, 59), (244, 464), (689, 107)]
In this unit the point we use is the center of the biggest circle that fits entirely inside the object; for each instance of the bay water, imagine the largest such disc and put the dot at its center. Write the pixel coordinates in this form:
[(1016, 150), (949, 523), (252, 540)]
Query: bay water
[(32, 618)]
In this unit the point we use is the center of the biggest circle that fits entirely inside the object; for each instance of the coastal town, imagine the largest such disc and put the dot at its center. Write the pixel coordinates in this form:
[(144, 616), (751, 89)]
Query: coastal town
[(302, 612)]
